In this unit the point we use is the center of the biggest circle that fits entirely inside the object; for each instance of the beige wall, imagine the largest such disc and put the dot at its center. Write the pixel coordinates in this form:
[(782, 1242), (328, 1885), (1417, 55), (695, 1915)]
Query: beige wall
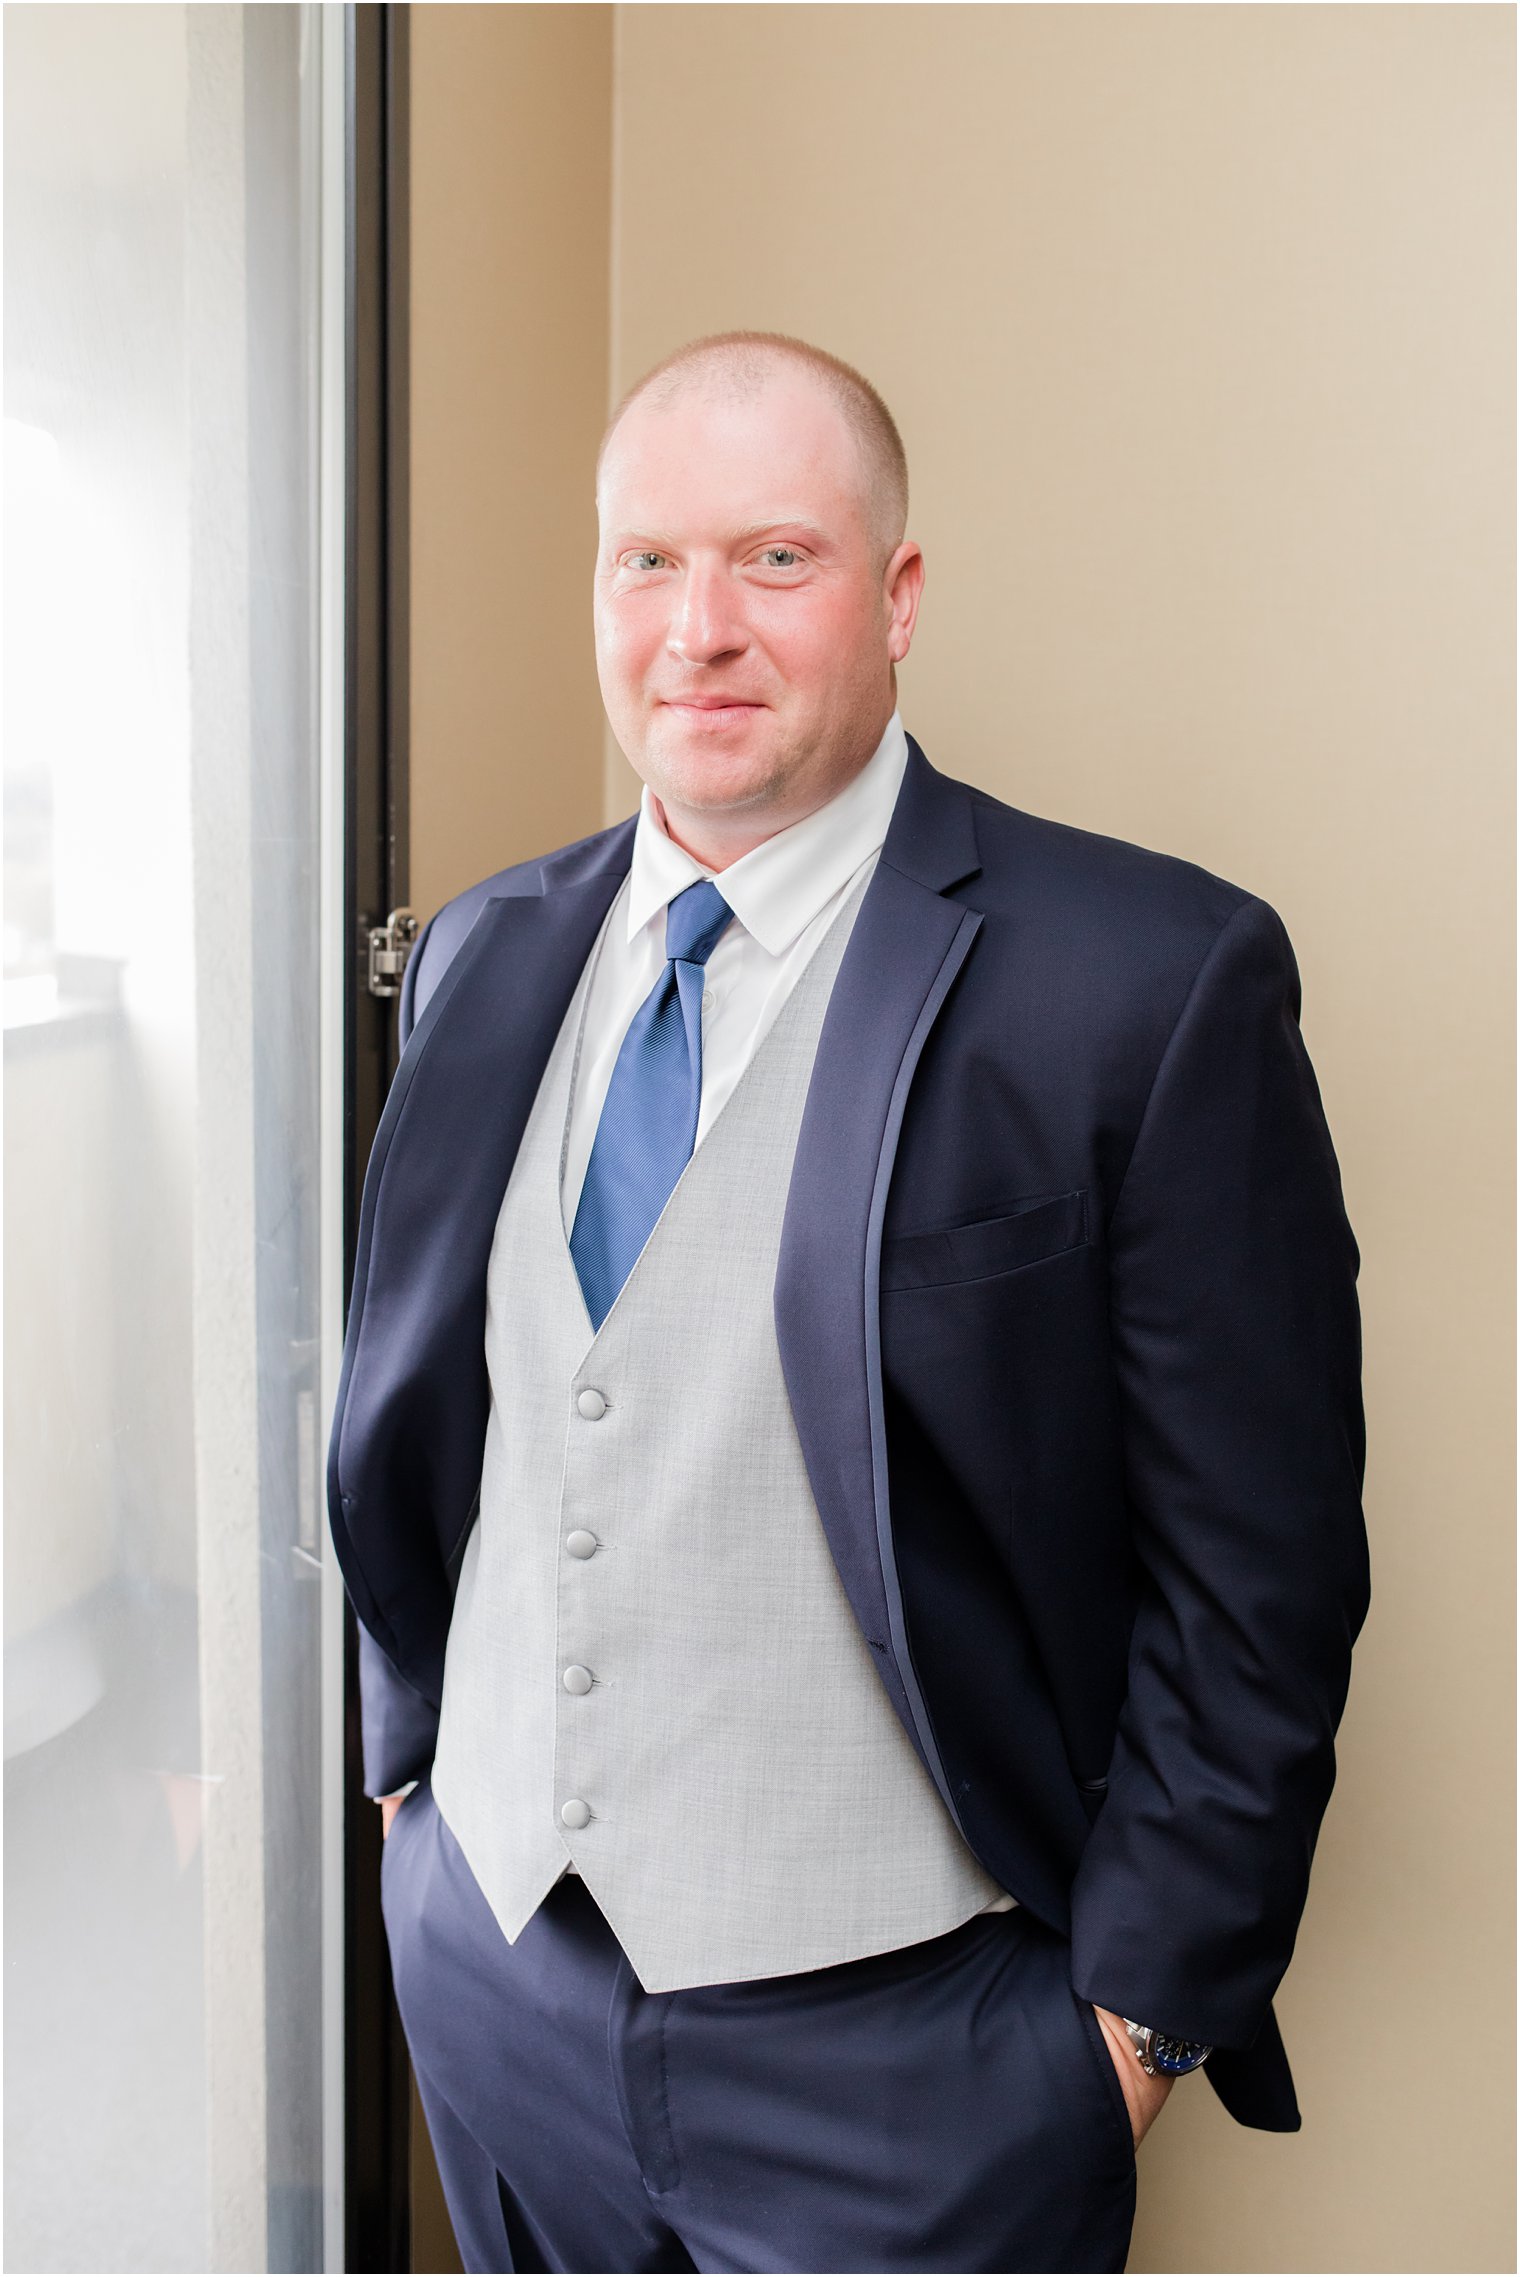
[(511, 152), (511, 140), (1198, 322)]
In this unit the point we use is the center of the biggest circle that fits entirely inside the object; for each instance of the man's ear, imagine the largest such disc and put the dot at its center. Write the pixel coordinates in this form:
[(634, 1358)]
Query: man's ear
[(902, 588)]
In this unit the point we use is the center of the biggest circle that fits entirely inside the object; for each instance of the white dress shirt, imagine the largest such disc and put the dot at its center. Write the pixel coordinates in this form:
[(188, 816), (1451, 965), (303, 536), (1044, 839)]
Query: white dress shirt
[(783, 895)]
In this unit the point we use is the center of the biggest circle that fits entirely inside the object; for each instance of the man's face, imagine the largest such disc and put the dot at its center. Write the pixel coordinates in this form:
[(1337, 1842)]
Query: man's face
[(746, 624)]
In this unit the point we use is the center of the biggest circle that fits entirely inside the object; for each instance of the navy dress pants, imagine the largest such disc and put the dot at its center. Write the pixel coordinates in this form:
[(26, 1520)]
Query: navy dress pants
[(948, 2106)]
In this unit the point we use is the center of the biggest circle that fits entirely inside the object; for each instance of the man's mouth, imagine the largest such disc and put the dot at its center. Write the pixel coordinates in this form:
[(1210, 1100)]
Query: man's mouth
[(712, 711)]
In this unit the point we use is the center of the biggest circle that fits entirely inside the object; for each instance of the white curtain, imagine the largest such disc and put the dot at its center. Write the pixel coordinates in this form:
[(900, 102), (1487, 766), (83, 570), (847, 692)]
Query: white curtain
[(168, 1610)]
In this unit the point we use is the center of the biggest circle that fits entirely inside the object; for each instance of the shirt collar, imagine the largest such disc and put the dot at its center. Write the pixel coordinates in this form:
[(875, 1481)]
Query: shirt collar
[(779, 887)]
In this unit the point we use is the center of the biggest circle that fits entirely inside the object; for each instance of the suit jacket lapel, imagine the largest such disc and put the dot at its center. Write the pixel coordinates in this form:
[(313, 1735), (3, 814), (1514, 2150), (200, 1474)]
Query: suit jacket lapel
[(908, 944), (412, 1419)]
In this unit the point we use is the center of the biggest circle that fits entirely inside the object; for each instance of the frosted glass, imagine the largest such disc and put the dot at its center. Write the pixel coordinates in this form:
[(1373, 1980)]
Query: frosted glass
[(164, 1563)]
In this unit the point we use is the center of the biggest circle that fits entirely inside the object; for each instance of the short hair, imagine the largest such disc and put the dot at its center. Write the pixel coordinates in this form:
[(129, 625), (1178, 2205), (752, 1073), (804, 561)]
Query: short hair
[(741, 362)]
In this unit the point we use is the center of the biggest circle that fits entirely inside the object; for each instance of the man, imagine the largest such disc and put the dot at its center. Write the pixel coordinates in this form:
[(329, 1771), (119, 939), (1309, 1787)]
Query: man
[(849, 1448)]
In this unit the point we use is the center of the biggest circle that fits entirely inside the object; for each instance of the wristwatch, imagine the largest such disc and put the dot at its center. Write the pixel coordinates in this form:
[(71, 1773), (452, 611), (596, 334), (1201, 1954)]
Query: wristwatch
[(1162, 2056)]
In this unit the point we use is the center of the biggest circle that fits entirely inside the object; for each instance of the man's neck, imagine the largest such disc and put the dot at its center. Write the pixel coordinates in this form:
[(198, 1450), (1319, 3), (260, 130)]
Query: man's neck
[(706, 839)]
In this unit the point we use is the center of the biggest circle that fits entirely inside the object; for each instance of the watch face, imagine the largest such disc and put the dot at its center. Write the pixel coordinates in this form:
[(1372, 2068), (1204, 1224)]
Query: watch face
[(1176, 2056)]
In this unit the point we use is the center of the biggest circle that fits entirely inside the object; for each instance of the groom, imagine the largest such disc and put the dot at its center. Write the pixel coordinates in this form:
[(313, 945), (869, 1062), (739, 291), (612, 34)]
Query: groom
[(849, 1446)]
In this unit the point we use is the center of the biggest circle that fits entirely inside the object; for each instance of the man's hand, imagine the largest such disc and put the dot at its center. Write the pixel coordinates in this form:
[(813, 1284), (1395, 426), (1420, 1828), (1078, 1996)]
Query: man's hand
[(390, 1804), (1143, 2095)]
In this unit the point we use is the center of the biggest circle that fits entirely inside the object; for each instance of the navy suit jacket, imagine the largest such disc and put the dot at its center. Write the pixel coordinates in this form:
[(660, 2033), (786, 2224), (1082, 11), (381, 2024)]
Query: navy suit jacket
[(1066, 1309)]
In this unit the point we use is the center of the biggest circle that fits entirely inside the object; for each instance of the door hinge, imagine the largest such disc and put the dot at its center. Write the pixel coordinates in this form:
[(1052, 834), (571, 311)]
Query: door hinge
[(390, 945)]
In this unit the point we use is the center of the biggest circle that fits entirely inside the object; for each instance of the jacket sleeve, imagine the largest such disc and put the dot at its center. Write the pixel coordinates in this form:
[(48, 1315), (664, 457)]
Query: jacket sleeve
[(398, 1726), (1237, 1353)]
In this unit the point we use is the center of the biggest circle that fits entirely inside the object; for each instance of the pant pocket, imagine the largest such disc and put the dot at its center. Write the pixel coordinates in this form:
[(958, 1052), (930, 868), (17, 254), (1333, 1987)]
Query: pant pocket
[(1091, 2032)]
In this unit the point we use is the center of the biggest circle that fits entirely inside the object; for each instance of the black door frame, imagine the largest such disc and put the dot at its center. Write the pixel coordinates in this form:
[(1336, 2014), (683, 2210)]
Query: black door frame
[(377, 2104)]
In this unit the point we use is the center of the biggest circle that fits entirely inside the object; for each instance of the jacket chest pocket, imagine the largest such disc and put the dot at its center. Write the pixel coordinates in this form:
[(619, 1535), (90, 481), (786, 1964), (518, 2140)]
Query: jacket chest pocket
[(1045, 1226)]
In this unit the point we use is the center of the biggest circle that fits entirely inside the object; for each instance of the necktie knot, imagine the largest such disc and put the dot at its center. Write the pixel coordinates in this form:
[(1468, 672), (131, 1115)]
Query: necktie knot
[(694, 923)]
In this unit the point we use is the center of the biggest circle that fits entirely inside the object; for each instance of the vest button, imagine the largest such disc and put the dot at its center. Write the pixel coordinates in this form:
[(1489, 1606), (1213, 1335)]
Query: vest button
[(575, 1814), (580, 1544), (577, 1680), (591, 1405)]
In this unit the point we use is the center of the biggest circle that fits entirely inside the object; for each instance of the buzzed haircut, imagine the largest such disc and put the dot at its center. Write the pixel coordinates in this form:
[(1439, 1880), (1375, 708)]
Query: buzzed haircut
[(740, 363)]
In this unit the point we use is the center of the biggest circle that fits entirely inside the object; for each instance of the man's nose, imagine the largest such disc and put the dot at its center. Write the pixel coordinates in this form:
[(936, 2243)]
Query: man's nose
[(707, 623)]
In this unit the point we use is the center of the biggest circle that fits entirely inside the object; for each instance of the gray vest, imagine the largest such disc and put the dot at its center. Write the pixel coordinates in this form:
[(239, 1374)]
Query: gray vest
[(653, 1671)]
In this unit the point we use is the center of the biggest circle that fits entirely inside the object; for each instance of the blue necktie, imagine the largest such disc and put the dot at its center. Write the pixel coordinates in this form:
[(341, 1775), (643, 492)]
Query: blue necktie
[(649, 1118)]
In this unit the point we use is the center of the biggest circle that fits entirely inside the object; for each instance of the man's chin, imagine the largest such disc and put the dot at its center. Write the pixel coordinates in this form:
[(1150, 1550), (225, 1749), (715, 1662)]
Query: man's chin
[(712, 773)]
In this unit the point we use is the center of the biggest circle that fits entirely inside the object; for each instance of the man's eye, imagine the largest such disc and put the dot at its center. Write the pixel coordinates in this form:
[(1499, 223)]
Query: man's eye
[(781, 557), (646, 561)]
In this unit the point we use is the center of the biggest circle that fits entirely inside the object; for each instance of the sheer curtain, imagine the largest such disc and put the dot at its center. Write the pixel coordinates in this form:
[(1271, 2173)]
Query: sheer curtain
[(169, 1292)]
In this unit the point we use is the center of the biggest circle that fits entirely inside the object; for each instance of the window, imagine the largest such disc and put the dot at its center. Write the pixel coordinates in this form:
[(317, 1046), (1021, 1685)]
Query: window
[(173, 1634)]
